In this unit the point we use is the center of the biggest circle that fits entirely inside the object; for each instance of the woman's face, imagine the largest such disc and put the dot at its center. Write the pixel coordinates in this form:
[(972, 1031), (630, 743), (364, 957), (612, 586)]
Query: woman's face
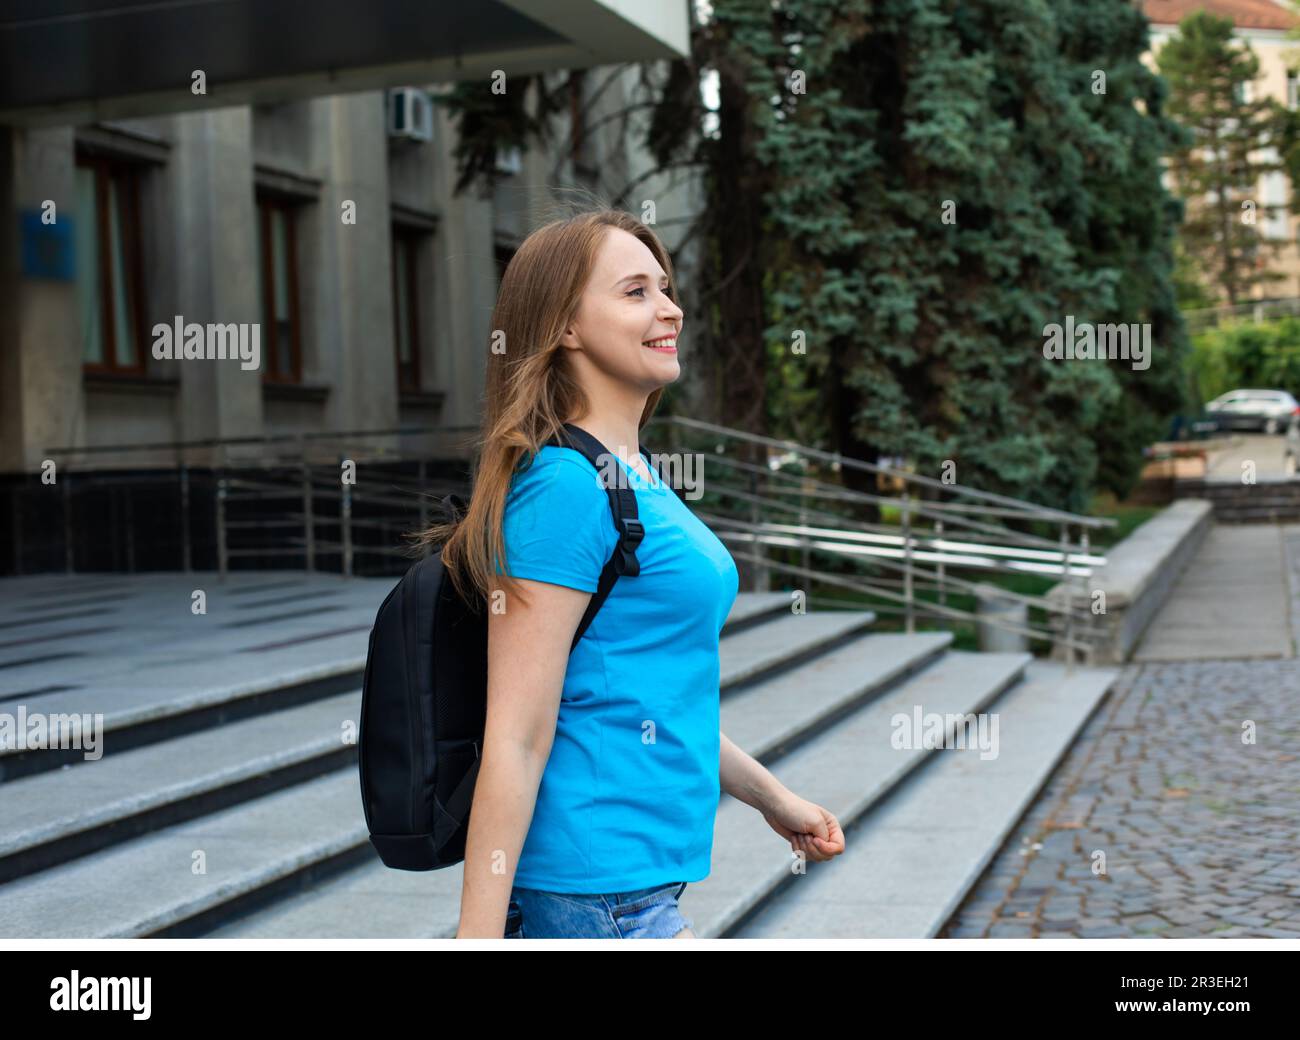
[(624, 308)]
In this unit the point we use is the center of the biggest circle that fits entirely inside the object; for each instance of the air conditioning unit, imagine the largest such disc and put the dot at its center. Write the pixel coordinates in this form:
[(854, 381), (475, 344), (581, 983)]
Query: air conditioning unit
[(410, 114), (509, 161)]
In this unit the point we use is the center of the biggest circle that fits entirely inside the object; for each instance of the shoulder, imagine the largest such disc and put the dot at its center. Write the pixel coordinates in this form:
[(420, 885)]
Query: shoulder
[(560, 469), (560, 486), (557, 525)]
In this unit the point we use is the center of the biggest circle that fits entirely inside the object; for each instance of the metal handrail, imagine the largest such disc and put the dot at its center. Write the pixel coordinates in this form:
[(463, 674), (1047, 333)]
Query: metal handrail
[(304, 481), (1029, 509), (1258, 310), (851, 496), (941, 581), (857, 584), (943, 527), (270, 438), (785, 536), (961, 537)]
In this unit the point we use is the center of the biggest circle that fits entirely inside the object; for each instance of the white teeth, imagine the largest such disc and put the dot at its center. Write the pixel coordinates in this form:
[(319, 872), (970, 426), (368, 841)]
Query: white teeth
[(660, 343)]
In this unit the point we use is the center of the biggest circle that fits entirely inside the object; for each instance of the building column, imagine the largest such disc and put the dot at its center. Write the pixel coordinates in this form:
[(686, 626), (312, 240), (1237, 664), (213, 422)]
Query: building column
[(40, 334), (465, 250), (215, 246), (364, 394)]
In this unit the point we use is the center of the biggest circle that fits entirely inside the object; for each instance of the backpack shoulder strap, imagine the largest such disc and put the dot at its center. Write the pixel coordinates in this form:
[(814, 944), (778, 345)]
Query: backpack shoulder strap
[(622, 506)]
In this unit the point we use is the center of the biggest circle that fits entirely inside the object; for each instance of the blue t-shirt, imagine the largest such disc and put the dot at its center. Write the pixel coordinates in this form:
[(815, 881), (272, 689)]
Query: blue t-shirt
[(630, 792)]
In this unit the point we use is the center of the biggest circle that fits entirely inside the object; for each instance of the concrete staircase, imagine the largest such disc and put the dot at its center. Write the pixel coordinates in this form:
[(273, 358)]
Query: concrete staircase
[(250, 825), (1267, 501)]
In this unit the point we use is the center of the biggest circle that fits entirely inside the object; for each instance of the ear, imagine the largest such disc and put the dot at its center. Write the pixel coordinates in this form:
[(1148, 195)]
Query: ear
[(569, 339)]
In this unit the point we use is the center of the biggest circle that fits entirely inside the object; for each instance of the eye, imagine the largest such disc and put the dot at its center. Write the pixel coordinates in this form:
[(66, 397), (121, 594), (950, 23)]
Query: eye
[(667, 291)]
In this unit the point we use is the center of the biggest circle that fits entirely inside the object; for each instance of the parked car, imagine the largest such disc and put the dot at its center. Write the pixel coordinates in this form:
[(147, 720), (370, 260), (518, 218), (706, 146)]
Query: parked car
[(1267, 410)]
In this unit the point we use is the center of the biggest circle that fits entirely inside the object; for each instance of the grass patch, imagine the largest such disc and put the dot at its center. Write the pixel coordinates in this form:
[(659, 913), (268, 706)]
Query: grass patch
[(1128, 518)]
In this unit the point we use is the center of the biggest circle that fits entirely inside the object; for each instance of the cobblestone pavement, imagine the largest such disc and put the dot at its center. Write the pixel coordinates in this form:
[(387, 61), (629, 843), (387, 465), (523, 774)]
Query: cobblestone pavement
[(1200, 832)]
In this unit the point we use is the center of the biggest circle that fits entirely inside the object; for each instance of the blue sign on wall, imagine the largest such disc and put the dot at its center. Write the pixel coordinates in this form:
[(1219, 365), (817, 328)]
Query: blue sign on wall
[(47, 249)]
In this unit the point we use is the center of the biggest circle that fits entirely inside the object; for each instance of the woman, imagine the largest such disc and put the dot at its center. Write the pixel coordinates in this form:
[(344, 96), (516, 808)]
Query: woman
[(601, 769)]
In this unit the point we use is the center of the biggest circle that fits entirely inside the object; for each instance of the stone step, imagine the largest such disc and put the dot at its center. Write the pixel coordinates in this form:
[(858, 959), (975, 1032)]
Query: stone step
[(785, 642), (1234, 488), (753, 608), (1254, 504), (743, 659), (89, 634), (1257, 516), (1289, 512), (180, 673), (908, 865), (373, 901), (772, 717), (51, 818), (136, 717), (1255, 500), (192, 676), (1232, 481), (157, 882), (847, 769), (48, 818), (1289, 492)]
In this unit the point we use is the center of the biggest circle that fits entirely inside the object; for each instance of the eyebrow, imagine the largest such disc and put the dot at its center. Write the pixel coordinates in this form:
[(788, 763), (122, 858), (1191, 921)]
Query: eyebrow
[(643, 277)]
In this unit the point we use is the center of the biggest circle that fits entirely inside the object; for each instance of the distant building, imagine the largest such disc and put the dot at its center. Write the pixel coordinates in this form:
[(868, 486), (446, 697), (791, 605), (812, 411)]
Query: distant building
[(325, 219), (1264, 26)]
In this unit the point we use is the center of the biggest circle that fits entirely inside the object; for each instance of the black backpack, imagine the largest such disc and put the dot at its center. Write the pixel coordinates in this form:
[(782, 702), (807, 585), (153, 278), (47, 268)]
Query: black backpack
[(424, 695)]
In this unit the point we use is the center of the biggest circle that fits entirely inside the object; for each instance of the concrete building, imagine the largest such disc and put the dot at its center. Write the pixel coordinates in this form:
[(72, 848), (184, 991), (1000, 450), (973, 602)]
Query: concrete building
[(1265, 27), (300, 192)]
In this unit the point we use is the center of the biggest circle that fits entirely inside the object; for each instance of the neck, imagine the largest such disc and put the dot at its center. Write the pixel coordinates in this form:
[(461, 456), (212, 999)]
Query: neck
[(616, 429)]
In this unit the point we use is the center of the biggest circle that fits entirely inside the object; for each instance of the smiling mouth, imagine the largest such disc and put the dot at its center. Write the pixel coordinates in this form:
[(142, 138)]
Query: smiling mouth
[(666, 343)]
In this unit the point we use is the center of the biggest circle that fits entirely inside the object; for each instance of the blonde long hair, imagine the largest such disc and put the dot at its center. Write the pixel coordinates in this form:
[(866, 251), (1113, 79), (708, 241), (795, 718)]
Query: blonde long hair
[(531, 389)]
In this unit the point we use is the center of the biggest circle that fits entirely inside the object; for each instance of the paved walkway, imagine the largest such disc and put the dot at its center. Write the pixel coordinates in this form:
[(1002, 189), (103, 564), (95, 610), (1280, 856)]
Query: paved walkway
[(1233, 601), (1264, 450), (1161, 821)]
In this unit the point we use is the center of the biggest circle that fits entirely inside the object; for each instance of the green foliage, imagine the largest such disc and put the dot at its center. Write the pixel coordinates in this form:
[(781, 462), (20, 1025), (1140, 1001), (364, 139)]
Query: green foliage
[(488, 122), (950, 179), (1218, 168), (937, 327), (1129, 519), (1262, 355), (1190, 281)]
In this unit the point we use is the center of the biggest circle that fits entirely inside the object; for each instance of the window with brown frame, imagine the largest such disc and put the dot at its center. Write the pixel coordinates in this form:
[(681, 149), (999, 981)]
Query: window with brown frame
[(406, 308), (277, 268), (110, 280)]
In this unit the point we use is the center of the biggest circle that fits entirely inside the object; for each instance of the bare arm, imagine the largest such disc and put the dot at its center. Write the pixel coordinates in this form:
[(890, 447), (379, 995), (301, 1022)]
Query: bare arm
[(528, 654), (747, 780), (812, 831)]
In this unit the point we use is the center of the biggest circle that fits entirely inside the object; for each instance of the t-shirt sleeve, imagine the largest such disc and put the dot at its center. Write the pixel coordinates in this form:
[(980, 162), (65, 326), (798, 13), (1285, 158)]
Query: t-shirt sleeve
[(558, 526)]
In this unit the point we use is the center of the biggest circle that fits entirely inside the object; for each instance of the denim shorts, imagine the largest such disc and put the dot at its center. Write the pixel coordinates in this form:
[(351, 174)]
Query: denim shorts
[(644, 913)]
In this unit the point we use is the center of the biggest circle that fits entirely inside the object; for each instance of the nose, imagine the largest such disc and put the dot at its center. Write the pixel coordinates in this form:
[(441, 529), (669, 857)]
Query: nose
[(669, 309)]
